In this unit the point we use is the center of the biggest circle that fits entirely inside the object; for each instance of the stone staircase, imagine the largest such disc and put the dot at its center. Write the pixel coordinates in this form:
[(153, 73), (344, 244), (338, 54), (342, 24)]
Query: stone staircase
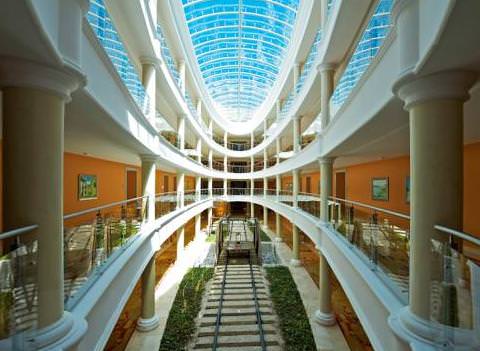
[(237, 311)]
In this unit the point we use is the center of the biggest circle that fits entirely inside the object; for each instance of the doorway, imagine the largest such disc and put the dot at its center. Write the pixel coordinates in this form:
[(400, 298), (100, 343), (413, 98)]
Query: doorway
[(340, 185), (131, 184)]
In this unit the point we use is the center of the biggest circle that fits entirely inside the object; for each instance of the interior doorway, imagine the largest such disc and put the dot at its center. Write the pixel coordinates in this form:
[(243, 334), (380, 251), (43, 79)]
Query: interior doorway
[(131, 183), (340, 185)]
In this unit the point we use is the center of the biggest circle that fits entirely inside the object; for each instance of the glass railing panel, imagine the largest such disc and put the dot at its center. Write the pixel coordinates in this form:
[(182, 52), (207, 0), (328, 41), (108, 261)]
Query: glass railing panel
[(382, 235), (110, 40), (165, 203), (92, 236), (367, 48), (18, 283), (455, 282), (309, 203)]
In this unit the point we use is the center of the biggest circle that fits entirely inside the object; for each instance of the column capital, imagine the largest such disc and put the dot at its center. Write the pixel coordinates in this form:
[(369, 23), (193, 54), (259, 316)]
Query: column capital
[(324, 67), (449, 85), (326, 160), (150, 60), (148, 158), (21, 73)]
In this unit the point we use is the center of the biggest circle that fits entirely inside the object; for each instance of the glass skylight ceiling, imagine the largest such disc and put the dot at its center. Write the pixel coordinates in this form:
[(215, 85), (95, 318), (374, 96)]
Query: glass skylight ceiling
[(240, 45)]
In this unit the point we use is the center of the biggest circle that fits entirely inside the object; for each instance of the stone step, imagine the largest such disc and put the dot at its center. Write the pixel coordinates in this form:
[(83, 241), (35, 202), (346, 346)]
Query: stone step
[(236, 320), (239, 297), (245, 329), (236, 341), (247, 348), (258, 285)]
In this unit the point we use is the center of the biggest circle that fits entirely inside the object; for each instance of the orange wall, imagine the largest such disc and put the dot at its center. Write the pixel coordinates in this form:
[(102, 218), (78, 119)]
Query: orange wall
[(471, 189), (111, 178)]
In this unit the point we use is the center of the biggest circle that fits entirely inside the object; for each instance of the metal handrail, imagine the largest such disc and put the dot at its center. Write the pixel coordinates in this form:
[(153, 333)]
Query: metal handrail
[(398, 214), (19, 231), (458, 234)]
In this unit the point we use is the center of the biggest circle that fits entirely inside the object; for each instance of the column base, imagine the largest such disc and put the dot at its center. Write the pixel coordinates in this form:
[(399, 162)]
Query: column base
[(325, 319), (147, 324), (65, 334), (295, 263), (431, 335)]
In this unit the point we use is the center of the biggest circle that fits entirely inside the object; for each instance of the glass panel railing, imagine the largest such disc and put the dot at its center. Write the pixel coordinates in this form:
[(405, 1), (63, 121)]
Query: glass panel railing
[(455, 282), (18, 284), (107, 35), (367, 48), (381, 235), (92, 236), (309, 203)]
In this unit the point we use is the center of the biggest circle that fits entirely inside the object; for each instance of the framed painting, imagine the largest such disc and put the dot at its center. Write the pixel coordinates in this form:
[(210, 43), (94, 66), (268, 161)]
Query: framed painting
[(407, 189), (380, 189), (87, 187)]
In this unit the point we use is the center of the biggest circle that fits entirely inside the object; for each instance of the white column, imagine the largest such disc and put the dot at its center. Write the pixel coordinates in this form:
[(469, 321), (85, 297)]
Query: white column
[(296, 133), (148, 186), (326, 80), (324, 315), (278, 109), (181, 132), (199, 108), (265, 208), (198, 187), (149, 82), (210, 187), (183, 76), (199, 150), (278, 184), (34, 99), (210, 159), (265, 158), (225, 139), (295, 261), (252, 139), (180, 189), (296, 76), (326, 169), (278, 148), (148, 319), (435, 106), (278, 228), (295, 186), (210, 128)]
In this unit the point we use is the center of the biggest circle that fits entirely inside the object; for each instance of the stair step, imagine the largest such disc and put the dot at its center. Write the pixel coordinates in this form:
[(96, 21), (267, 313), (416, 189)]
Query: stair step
[(237, 304), (241, 329), (232, 320), (236, 341), (228, 311)]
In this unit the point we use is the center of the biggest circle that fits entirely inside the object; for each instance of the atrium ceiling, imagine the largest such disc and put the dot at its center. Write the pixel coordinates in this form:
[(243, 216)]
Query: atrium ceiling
[(239, 47)]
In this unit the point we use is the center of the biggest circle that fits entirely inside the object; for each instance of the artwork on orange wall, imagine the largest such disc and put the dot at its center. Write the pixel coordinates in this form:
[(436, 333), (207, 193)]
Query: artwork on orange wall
[(87, 187), (380, 189)]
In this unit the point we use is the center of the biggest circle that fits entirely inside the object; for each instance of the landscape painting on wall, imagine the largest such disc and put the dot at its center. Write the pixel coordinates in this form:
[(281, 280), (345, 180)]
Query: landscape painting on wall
[(380, 189), (87, 187)]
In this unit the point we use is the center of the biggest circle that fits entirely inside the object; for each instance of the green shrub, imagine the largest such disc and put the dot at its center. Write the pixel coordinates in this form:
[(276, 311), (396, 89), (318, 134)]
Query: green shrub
[(186, 306), (294, 323)]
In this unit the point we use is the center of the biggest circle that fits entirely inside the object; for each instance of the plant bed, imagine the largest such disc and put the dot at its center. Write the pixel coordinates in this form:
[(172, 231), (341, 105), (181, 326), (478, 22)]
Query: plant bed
[(294, 323), (264, 237), (186, 306)]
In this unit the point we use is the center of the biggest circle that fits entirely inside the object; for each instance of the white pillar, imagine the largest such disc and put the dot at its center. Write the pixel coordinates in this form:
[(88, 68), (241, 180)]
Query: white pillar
[(252, 164), (278, 228), (252, 139), (326, 169), (278, 109), (210, 128), (324, 315), (198, 187), (33, 106), (435, 106), (326, 80), (296, 133), (278, 184), (183, 76), (148, 186), (225, 139), (148, 319), (210, 158), (199, 108), (278, 148), (180, 189), (295, 261), (265, 158), (210, 187), (149, 82), (181, 132), (296, 76), (265, 208), (199, 150), (295, 186)]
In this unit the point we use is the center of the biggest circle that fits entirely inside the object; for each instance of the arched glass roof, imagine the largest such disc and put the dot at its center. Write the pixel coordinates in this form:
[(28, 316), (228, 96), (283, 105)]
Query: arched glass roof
[(240, 46)]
